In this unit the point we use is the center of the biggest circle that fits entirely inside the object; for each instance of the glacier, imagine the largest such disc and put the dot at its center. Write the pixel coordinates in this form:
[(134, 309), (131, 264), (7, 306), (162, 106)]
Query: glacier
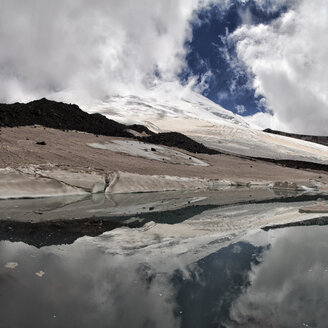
[(207, 122)]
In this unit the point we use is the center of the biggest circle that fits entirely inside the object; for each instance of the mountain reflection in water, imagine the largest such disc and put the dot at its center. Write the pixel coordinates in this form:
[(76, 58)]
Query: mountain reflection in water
[(271, 279)]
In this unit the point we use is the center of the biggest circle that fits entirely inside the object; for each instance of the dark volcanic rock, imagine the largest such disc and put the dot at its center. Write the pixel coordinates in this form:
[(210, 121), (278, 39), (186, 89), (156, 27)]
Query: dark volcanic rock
[(322, 140), (58, 115), (295, 164), (175, 139)]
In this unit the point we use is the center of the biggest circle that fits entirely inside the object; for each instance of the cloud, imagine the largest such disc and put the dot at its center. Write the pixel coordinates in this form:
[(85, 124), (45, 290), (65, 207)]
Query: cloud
[(240, 109), (287, 64), (80, 51), (266, 120), (92, 48)]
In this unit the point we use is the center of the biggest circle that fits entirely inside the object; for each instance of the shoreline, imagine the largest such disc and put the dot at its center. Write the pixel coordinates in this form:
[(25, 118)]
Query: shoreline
[(67, 165)]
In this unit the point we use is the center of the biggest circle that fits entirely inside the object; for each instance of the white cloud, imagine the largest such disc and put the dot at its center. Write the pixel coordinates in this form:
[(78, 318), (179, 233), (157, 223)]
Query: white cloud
[(240, 109), (91, 48), (287, 62), (82, 50), (266, 121)]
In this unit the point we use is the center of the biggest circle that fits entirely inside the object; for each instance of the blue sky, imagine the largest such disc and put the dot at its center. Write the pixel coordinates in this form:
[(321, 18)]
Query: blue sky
[(208, 53)]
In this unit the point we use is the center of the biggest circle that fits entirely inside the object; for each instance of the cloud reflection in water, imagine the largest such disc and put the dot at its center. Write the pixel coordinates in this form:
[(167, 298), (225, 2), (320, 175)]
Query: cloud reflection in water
[(289, 288)]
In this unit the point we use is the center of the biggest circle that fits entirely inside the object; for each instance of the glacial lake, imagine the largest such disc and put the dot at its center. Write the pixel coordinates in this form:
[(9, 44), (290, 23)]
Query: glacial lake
[(213, 268)]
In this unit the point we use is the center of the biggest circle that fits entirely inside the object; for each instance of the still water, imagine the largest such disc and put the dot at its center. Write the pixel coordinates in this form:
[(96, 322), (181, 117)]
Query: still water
[(277, 278)]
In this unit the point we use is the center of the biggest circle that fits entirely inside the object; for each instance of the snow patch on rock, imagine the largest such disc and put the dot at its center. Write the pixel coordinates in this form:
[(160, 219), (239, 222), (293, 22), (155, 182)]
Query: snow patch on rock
[(15, 184), (149, 151)]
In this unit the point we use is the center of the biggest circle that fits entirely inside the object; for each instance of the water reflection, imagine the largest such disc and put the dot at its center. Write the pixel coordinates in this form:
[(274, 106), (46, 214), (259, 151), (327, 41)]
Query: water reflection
[(205, 298), (271, 279), (289, 289), (81, 287)]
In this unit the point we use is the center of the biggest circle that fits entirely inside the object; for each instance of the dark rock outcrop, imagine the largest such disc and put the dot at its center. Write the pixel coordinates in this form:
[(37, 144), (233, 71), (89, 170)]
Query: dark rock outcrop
[(58, 115), (294, 164), (179, 140), (322, 140)]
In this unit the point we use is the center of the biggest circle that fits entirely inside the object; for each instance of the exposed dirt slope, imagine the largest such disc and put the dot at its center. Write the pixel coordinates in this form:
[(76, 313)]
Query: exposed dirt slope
[(70, 150)]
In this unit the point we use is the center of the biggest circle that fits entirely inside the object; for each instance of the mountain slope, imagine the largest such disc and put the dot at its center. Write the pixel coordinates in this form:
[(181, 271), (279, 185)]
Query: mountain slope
[(58, 115), (210, 124)]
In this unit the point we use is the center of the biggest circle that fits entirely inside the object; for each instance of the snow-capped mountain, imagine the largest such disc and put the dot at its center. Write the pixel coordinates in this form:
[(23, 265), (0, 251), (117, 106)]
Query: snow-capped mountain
[(207, 122)]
